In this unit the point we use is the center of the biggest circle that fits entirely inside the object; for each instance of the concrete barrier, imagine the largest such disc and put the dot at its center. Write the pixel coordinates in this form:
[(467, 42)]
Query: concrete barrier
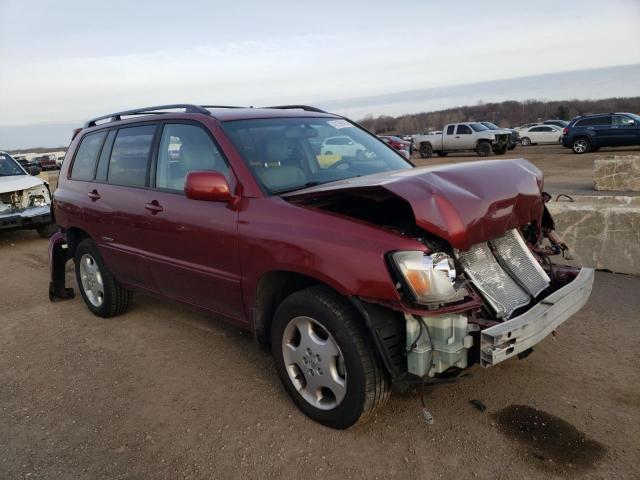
[(603, 232), (617, 173)]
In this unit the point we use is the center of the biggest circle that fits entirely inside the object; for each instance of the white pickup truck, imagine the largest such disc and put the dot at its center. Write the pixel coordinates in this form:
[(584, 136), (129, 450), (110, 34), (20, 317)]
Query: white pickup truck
[(457, 137)]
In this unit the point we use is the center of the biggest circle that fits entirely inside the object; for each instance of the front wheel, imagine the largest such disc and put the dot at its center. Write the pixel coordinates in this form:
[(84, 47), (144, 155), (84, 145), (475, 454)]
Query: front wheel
[(102, 293), (325, 359), (483, 149), (580, 145)]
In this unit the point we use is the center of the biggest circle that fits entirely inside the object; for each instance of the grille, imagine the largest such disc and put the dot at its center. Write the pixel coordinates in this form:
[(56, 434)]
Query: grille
[(508, 276)]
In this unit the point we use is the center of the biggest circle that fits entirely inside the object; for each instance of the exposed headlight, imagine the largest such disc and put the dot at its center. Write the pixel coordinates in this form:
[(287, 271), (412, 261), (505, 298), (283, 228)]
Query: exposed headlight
[(38, 201), (431, 278)]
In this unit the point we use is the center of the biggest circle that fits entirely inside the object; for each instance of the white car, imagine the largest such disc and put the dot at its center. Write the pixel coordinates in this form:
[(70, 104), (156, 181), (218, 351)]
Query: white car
[(341, 145), (540, 134), (25, 200)]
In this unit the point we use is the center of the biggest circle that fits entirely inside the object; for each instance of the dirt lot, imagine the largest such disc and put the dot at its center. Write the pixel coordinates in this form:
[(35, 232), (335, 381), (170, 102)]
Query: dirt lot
[(163, 392), (564, 171)]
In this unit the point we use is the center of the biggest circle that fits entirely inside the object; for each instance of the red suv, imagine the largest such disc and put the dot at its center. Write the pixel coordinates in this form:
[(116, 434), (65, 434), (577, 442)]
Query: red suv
[(359, 270)]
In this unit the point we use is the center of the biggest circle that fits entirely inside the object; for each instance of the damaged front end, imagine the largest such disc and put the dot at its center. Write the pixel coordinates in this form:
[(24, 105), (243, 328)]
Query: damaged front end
[(484, 289), (25, 208)]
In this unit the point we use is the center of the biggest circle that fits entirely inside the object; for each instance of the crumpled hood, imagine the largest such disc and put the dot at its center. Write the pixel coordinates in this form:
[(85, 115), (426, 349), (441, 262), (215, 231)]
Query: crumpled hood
[(464, 203), (19, 182)]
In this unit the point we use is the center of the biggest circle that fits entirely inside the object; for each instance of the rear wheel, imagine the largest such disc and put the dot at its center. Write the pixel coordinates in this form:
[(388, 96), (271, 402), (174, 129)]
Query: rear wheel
[(483, 149), (325, 359), (525, 141), (101, 292), (580, 145), (426, 151)]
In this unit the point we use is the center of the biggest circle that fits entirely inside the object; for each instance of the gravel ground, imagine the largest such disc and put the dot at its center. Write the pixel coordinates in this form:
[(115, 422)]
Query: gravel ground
[(163, 392)]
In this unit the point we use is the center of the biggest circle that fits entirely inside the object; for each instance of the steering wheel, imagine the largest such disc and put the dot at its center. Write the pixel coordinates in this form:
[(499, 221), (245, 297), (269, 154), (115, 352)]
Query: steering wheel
[(334, 166)]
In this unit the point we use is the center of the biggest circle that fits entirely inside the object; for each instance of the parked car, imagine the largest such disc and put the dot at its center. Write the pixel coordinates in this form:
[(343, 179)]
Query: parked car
[(591, 132), (360, 275), (540, 134), (341, 145), (395, 142), (557, 122), (514, 136), (25, 199), (457, 137), (46, 162), (527, 125)]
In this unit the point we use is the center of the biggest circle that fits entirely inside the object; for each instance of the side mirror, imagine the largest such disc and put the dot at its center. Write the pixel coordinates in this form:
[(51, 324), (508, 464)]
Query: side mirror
[(33, 170), (207, 186)]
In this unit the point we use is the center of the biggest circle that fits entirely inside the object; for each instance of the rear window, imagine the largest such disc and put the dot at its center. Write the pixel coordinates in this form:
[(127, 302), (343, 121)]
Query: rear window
[(130, 156), (84, 164)]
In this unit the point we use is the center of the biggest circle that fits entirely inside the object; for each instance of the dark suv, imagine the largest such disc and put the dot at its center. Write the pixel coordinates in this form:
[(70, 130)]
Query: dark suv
[(590, 132), (357, 269)]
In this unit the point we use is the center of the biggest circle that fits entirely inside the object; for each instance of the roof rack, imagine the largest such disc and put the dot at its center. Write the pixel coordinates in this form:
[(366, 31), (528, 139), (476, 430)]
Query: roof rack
[(297, 107), (114, 117)]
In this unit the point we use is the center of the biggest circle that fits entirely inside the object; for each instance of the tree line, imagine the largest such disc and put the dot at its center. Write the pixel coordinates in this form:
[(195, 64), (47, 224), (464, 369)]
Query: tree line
[(505, 114)]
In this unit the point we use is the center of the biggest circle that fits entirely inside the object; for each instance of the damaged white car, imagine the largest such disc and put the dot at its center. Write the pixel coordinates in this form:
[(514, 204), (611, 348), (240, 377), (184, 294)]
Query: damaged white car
[(25, 200)]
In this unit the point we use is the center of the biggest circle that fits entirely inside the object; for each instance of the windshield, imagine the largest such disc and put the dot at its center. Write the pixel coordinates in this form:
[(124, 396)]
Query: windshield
[(491, 126), (634, 116), (287, 154), (478, 127), (8, 166)]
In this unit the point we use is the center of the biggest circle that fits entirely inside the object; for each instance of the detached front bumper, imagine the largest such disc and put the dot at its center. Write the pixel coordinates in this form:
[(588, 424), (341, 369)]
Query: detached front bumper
[(29, 217), (503, 341)]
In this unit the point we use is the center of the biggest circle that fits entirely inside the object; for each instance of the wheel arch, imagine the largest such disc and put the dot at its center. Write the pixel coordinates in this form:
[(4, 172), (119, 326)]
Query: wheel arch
[(272, 288), (74, 236)]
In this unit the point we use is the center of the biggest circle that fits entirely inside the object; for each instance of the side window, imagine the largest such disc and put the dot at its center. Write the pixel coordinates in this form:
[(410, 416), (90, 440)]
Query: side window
[(185, 148), (535, 129), (621, 120), (103, 161), (546, 129), (450, 129), (463, 130), (130, 156), (84, 164)]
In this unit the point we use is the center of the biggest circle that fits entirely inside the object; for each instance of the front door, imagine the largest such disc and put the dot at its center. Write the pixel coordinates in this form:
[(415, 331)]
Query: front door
[(193, 245), (626, 131)]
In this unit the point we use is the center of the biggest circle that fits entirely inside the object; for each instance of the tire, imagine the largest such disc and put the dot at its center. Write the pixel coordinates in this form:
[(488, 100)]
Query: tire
[(45, 231), (350, 366), (102, 293), (525, 141), (483, 149), (426, 151), (581, 145), (443, 154), (500, 150)]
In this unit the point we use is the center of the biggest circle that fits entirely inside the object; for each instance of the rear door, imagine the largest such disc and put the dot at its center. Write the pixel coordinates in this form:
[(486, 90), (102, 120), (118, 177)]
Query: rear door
[(116, 214), (192, 245)]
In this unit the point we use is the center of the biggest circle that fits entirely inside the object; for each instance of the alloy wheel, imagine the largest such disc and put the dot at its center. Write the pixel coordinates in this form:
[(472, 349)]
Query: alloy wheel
[(580, 146)]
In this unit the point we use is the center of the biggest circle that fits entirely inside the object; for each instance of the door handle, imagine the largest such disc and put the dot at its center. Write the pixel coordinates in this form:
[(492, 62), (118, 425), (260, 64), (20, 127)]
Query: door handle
[(154, 207), (93, 195)]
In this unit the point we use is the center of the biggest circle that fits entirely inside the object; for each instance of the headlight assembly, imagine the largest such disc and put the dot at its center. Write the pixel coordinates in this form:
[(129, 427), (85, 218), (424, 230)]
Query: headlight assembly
[(38, 201), (431, 278)]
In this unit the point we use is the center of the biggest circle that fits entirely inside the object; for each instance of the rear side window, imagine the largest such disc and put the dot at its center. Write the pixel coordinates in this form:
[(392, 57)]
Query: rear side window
[(84, 164), (186, 148), (130, 156), (590, 122), (450, 129)]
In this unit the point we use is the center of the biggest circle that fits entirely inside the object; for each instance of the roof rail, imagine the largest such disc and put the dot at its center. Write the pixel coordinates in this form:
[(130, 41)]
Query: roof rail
[(297, 107), (114, 117)]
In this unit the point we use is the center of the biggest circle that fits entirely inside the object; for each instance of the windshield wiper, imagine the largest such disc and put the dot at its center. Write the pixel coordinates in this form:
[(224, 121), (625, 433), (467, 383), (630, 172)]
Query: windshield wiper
[(299, 187)]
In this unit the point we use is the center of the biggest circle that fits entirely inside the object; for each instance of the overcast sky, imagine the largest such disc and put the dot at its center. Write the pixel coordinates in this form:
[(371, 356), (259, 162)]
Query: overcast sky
[(67, 60)]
